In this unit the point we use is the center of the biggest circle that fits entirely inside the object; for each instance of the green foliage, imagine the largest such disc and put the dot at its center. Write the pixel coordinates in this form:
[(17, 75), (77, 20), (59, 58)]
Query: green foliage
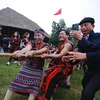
[(74, 41), (56, 27)]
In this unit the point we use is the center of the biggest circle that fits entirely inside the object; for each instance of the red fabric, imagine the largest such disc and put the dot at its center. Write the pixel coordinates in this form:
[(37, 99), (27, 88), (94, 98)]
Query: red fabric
[(29, 43), (15, 43), (39, 46), (69, 67), (50, 73), (37, 62), (58, 12)]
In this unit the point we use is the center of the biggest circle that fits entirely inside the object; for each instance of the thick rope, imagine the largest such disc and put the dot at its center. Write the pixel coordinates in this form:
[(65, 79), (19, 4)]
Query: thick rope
[(10, 54)]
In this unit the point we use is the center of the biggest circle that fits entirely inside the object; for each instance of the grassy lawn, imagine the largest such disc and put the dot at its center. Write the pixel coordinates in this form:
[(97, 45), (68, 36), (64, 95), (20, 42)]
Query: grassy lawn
[(7, 73)]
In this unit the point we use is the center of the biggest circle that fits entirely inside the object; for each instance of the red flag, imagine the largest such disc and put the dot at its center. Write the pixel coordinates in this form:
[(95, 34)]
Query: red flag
[(58, 12)]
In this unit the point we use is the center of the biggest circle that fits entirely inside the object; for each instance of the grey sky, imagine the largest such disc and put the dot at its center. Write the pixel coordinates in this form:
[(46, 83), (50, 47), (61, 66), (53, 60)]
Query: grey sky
[(41, 11)]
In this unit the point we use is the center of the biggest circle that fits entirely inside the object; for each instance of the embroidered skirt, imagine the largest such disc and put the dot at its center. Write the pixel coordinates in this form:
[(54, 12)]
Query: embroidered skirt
[(27, 81)]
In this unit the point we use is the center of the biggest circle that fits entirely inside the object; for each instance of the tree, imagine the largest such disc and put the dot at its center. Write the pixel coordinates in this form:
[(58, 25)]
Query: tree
[(74, 41), (56, 27)]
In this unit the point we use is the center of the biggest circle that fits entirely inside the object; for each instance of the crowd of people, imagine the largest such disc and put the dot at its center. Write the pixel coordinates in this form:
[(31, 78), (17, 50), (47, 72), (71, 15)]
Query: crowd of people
[(28, 79), (12, 44)]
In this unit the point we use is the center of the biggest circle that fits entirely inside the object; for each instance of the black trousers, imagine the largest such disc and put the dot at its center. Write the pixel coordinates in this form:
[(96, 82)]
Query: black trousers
[(91, 84), (58, 77), (15, 59)]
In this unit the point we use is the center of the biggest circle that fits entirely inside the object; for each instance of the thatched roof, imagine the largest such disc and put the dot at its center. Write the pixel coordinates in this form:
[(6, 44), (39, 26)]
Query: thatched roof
[(9, 17)]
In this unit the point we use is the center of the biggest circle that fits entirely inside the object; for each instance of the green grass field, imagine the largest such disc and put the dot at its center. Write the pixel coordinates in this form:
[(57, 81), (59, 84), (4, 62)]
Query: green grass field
[(7, 73)]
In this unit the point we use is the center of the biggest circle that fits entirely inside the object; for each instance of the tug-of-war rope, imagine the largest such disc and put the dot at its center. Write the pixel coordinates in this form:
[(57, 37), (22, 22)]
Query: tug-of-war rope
[(11, 54)]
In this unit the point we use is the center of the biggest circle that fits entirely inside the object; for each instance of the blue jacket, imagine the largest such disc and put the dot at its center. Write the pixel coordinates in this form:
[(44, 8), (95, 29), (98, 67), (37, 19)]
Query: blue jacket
[(88, 46), (93, 57)]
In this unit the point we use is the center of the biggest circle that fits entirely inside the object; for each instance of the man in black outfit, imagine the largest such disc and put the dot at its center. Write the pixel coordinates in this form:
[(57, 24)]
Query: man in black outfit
[(88, 42)]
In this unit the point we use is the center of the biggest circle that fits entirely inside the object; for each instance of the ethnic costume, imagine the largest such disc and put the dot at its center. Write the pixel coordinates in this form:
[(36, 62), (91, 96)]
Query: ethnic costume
[(58, 70), (14, 42), (13, 46), (29, 77)]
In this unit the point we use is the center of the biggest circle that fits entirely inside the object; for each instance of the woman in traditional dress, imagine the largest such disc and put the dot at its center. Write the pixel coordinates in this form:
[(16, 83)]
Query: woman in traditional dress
[(14, 46), (57, 76), (29, 77)]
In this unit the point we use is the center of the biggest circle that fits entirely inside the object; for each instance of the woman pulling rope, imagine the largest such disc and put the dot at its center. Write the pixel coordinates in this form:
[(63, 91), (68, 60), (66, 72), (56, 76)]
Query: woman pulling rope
[(29, 77)]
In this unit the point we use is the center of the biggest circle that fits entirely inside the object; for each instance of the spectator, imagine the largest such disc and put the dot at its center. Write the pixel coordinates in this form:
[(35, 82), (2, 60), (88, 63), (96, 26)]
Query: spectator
[(29, 77), (14, 46), (5, 43), (1, 40), (23, 44)]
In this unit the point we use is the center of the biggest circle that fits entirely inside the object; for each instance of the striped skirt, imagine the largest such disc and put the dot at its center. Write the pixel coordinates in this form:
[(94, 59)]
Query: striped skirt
[(27, 81), (22, 59)]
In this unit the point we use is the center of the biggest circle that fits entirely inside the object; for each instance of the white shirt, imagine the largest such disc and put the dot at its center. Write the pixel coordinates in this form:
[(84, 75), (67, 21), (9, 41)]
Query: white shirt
[(86, 37)]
